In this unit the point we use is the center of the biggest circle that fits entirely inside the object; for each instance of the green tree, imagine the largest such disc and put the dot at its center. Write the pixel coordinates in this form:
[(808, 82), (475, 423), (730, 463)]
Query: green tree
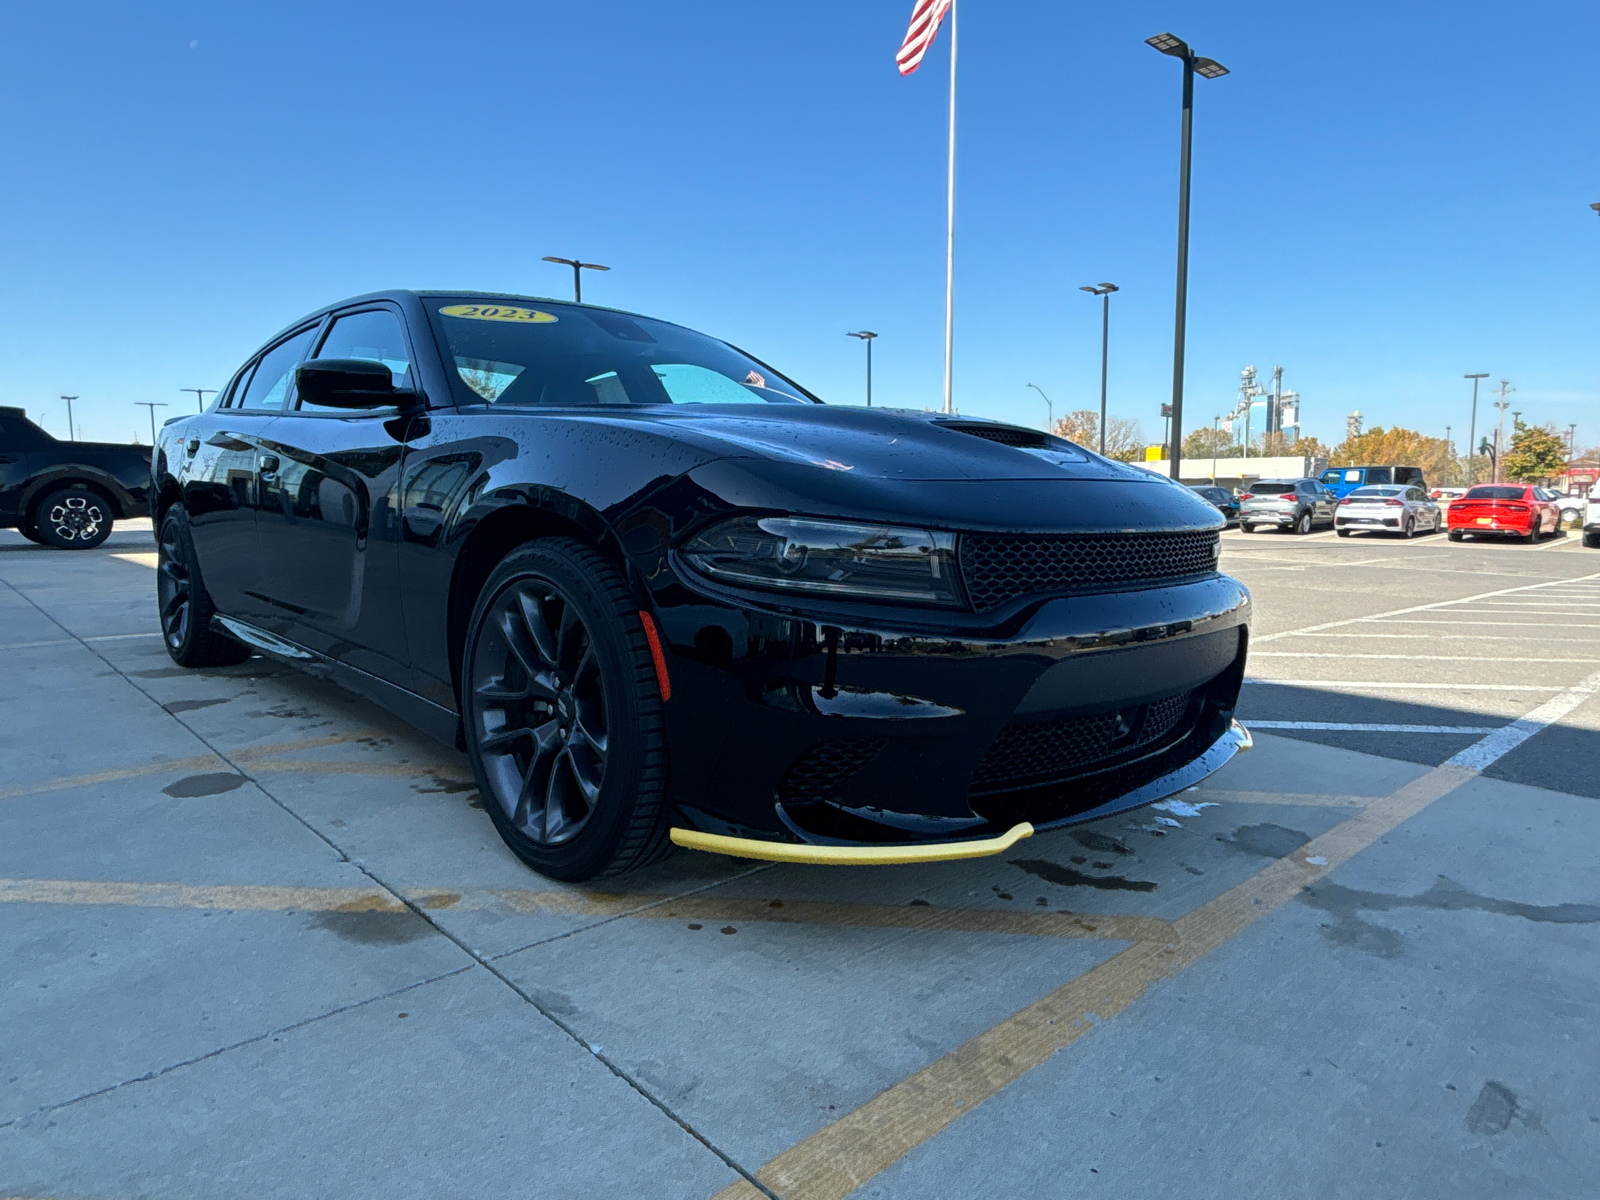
[(1537, 453), (1209, 442), (1397, 447)]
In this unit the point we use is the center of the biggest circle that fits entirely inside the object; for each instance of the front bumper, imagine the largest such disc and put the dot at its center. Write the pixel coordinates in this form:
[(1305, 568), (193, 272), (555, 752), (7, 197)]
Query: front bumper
[(847, 732)]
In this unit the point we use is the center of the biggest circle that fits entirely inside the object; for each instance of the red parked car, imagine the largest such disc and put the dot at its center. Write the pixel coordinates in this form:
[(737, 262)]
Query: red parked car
[(1513, 509)]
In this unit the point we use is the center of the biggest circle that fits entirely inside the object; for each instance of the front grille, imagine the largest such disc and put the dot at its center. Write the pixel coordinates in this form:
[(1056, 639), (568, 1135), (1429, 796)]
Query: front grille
[(999, 567), (821, 771), (1050, 750)]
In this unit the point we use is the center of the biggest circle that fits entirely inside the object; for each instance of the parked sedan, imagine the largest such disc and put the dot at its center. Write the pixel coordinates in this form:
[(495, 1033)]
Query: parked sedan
[(1503, 509), (1294, 504), (662, 595), (1226, 502), (1403, 510)]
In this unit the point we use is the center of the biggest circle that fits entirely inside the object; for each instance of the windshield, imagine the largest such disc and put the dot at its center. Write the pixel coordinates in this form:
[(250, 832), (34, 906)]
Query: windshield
[(1494, 493), (523, 353)]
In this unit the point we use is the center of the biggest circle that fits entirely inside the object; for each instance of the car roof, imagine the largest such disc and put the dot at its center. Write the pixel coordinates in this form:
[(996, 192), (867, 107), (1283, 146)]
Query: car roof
[(401, 295)]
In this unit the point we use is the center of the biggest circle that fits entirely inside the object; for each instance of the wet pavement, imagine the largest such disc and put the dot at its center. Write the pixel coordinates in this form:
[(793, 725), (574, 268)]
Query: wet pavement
[(264, 941)]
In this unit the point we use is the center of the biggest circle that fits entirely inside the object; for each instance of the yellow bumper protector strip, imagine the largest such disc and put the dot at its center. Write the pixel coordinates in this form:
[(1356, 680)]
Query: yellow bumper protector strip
[(849, 856)]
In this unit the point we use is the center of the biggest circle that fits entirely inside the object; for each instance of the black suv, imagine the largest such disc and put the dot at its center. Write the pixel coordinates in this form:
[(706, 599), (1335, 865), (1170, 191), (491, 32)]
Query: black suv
[(67, 494)]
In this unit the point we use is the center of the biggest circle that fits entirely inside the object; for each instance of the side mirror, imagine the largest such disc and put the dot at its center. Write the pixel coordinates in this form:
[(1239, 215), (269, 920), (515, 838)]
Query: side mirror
[(354, 383)]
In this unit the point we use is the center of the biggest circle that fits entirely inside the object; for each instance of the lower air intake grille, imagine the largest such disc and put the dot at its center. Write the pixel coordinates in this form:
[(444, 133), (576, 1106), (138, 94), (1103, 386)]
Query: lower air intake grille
[(821, 771), (1049, 750), (999, 567)]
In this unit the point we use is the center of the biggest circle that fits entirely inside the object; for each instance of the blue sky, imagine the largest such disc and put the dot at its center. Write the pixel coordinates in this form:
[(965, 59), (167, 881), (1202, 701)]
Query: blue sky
[(1386, 195)]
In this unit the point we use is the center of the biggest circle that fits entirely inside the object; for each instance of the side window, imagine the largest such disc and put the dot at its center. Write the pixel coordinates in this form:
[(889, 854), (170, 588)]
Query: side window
[(375, 336), (274, 374)]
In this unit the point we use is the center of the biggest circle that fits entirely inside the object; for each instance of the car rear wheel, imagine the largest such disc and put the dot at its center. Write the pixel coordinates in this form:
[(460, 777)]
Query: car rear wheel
[(563, 714), (1455, 535), (73, 518), (1343, 532), (1410, 530), (183, 603), (1591, 539), (1303, 525)]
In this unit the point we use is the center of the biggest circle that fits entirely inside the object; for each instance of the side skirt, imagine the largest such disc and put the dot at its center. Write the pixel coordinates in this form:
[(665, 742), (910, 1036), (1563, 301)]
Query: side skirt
[(432, 719)]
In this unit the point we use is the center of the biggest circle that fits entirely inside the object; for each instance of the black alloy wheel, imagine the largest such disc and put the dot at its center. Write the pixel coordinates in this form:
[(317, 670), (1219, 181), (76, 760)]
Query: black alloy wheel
[(1303, 525), (183, 603), (73, 518), (563, 714)]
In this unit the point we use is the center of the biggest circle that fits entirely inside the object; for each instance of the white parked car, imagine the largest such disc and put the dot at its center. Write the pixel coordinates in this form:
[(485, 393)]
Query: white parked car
[(1388, 509)]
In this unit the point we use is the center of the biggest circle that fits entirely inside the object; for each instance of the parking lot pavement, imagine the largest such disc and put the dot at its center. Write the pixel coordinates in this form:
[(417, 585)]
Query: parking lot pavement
[(265, 942)]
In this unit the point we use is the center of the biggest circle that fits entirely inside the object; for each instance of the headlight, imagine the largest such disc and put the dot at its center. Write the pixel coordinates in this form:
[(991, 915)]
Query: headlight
[(830, 558)]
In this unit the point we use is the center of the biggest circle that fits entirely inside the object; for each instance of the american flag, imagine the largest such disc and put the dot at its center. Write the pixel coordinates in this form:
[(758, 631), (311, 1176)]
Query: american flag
[(925, 18)]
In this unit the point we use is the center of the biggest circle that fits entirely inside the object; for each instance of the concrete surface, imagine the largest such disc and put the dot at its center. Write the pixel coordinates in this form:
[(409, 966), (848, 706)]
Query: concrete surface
[(263, 941)]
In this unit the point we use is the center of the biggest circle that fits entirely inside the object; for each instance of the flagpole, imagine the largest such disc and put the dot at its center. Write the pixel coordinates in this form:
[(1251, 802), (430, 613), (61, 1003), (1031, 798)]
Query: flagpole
[(950, 228)]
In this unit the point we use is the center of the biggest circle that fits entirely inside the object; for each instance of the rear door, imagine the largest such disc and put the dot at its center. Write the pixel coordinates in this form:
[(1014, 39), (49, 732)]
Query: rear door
[(328, 521), (220, 477)]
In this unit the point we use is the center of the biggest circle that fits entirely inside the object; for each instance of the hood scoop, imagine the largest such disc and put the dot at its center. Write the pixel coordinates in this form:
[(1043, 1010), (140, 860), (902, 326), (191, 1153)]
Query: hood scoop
[(1006, 435)]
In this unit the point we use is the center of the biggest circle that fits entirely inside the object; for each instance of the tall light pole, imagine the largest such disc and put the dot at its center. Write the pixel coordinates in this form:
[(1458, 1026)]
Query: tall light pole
[(866, 335), (1505, 389), (152, 405), (1472, 429), (1048, 408), (72, 430), (1208, 69), (1104, 292), (200, 395), (577, 273), (1216, 436)]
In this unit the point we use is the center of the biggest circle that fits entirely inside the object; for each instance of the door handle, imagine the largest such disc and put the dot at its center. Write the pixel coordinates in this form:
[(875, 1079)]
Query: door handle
[(269, 465)]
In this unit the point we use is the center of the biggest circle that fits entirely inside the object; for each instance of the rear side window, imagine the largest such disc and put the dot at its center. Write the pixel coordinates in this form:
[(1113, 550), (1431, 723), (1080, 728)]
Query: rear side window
[(270, 381), (1495, 493), (1352, 476)]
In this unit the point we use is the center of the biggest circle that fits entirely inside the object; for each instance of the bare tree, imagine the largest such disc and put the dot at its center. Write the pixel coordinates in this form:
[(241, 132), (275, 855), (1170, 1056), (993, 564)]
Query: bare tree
[(1124, 438)]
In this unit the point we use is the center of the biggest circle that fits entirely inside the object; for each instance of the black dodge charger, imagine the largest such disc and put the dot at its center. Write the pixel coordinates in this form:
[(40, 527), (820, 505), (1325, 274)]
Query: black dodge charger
[(662, 594)]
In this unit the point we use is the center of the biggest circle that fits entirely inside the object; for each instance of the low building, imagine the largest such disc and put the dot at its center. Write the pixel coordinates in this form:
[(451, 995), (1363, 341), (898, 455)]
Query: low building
[(1238, 472)]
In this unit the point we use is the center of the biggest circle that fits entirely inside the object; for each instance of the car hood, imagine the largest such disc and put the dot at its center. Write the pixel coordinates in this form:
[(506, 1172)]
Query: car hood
[(883, 444)]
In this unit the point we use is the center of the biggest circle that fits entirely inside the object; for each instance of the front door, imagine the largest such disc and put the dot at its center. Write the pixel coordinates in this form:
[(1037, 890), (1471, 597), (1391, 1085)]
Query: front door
[(327, 520)]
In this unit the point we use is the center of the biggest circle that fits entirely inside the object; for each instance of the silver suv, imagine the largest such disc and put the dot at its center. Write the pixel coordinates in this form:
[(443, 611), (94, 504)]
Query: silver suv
[(1294, 504)]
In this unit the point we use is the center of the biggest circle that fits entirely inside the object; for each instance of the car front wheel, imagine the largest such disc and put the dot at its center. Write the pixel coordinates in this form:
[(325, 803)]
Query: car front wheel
[(74, 518), (563, 714)]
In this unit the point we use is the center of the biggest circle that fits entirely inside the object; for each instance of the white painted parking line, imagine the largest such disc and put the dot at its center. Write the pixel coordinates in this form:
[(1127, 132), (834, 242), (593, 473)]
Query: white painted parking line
[(1408, 687), (1472, 658), (1352, 727), (1471, 624), (1479, 755), (1271, 637)]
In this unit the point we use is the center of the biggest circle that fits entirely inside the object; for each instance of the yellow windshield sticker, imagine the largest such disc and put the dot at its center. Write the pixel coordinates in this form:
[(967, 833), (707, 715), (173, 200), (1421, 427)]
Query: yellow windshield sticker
[(498, 312)]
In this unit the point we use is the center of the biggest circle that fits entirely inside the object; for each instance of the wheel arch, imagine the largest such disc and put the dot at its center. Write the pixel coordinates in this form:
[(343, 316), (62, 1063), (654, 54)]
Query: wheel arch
[(494, 534), (108, 492)]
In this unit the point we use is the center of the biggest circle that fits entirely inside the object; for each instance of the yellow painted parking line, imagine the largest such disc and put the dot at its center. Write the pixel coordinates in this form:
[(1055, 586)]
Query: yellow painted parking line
[(196, 762), (145, 558), (700, 907), (843, 1156)]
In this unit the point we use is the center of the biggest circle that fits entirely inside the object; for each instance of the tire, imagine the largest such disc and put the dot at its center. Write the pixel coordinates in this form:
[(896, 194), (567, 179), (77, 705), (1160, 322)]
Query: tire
[(1455, 535), (183, 604), (1342, 532), (1410, 530), (1591, 539), (1532, 536), (560, 699), (1302, 525), (74, 518)]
